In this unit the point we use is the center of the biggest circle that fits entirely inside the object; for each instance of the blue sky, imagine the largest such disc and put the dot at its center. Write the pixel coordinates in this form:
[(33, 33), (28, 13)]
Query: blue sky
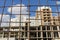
[(25, 2), (34, 4)]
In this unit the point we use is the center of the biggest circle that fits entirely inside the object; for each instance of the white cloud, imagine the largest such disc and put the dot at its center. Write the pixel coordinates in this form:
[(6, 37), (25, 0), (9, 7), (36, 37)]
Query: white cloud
[(58, 2), (17, 20), (16, 9), (5, 18), (4, 24), (0, 16)]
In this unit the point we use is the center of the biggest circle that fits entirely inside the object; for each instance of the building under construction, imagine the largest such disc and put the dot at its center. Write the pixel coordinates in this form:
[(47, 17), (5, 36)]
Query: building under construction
[(42, 26)]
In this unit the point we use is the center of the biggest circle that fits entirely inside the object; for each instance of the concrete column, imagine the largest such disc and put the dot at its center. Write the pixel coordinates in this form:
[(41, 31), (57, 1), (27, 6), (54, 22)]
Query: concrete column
[(41, 33), (58, 30)]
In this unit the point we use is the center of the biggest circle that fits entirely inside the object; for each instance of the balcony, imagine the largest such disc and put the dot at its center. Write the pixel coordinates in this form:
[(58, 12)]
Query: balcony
[(11, 30), (46, 23), (5, 29), (14, 29)]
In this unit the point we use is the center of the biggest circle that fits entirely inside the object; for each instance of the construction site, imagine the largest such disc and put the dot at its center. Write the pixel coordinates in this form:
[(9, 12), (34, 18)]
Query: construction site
[(29, 20)]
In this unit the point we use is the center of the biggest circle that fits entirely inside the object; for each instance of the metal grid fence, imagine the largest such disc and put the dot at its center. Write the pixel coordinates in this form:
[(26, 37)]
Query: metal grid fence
[(18, 9)]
